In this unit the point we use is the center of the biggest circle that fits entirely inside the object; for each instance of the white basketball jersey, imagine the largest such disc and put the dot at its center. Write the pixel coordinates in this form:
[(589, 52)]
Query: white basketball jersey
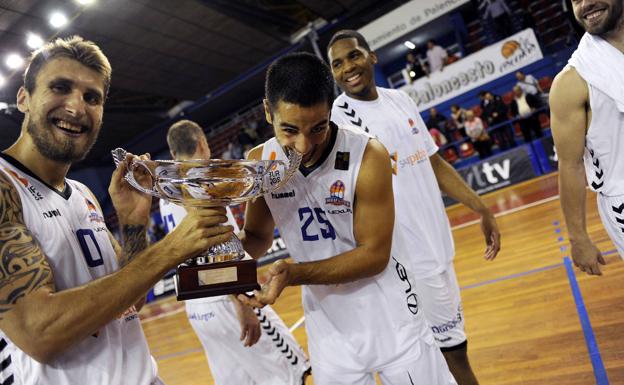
[(172, 214), (604, 144), (394, 120), (70, 228), (360, 325)]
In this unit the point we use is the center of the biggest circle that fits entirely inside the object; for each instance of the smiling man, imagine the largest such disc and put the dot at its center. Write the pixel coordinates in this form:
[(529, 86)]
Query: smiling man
[(587, 120), (361, 313), (68, 291), (419, 175)]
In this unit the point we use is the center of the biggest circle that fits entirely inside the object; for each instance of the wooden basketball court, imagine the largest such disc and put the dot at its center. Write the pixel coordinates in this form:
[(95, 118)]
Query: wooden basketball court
[(525, 324)]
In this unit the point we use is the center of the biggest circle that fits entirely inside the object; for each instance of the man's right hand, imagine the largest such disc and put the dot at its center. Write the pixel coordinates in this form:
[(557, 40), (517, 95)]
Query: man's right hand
[(200, 229), (587, 257)]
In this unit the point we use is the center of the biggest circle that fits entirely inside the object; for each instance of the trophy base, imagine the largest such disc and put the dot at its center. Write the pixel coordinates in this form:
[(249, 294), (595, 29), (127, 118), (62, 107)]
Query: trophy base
[(213, 279)]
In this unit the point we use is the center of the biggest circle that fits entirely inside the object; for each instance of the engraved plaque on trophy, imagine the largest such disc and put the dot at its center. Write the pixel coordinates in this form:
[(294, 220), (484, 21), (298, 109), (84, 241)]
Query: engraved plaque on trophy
[(223, 268)]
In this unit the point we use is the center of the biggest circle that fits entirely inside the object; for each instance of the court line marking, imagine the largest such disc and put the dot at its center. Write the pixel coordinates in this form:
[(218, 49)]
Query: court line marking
[(512, 276), (590, 340), (297, 324), (510, 211)]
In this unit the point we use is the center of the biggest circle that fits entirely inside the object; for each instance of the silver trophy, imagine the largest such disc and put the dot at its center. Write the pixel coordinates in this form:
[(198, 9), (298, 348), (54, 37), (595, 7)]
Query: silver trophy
[(222, 269)]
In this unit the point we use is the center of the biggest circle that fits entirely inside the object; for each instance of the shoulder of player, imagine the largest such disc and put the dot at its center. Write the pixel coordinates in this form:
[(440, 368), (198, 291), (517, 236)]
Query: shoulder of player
[(375, 152), (10, 201), (256, 152), (568, 89)]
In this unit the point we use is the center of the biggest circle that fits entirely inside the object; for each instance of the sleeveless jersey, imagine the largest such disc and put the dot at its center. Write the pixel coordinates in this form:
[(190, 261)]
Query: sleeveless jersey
[(172, 214), (394, 120), (70, 229), (359, 325), (604, 145)]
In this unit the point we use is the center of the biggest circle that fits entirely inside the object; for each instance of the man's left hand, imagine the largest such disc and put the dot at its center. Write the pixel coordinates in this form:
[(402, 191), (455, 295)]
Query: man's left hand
[(489, 227), (278, 276), (131, 205)]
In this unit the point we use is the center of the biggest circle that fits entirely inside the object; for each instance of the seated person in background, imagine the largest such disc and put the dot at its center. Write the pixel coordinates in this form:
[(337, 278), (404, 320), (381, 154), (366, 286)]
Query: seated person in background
[(495, 112), (451, 59), (414, 67), (437, 120), (477, 133), (458, 117), (523, 107), (439, 138)]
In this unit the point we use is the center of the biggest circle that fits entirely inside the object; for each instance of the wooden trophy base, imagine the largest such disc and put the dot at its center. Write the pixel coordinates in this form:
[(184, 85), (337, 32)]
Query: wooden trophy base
[(213, 279)]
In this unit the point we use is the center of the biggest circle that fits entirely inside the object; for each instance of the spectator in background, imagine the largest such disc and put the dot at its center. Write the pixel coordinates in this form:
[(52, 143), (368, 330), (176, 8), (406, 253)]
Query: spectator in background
[(439, 138), (495, 112), (436, 56), (530, 85), (458, 115), (477, 133), (414, 67), (501, 17), (523, 107), (438, 121)]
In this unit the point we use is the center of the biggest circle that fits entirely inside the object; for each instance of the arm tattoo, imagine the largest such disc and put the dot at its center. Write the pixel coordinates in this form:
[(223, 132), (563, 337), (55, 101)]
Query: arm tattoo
[(134, 241), (23, 267)]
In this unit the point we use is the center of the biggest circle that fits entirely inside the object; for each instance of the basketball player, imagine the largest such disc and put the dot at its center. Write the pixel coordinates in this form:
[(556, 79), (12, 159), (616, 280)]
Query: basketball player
[(419, 174), (587, 120), (275, 358), (67, 289), (336, 217)]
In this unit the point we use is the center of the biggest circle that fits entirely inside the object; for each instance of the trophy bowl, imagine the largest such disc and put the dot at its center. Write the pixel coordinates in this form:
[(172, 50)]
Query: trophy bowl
[(223, 268)]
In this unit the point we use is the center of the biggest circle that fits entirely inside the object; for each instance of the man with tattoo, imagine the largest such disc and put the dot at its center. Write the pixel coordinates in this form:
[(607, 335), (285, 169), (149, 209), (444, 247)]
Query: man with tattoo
[(67, 290)]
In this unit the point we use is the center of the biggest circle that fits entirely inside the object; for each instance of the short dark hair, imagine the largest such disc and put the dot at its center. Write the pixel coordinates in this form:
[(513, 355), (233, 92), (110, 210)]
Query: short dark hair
[(349, 34), (183, 137), (74, 47), (299, 78)]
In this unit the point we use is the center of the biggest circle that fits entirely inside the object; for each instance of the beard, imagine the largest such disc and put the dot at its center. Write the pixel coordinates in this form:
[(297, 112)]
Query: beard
[(59, 150), (614, 14)]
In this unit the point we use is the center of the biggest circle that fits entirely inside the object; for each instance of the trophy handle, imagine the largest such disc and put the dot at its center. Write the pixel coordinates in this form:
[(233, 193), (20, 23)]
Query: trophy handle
[(119, 155)]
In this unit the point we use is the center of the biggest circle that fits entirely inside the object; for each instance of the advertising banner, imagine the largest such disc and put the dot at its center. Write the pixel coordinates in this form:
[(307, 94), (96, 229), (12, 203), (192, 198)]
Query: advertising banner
[(404, 19), (497, 172), (482, 67)]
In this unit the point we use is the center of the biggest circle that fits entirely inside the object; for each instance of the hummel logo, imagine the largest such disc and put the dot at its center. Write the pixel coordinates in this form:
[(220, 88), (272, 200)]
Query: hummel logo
[(282, 195), (52, 213)]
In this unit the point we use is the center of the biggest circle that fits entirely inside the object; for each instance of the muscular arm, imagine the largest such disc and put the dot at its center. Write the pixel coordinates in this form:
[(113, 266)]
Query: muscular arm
[(43, 322), (374, 204), (569, 97), (454, 186)]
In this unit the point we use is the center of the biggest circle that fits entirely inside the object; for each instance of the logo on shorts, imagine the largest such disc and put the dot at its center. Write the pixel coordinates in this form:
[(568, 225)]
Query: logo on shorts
[(336, 195)]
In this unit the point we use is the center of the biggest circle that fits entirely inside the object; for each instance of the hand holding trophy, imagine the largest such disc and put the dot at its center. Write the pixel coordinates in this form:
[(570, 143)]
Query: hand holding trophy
[(222, 269)]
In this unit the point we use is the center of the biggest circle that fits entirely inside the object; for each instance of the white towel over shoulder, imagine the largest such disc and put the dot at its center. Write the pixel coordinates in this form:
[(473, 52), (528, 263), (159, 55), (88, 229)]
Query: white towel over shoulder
[(601, 65)]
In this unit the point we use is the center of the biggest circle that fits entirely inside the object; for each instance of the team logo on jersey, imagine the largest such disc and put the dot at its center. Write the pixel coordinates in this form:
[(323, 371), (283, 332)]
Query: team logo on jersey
[(94, 215), (31, 189), (336, 195), (412, 126), (342, 161)]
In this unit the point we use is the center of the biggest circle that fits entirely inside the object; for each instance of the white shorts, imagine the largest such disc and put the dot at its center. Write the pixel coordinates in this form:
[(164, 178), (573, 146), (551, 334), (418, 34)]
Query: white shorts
[(276, 359), (429, 368), (442, 307), (611, 211)]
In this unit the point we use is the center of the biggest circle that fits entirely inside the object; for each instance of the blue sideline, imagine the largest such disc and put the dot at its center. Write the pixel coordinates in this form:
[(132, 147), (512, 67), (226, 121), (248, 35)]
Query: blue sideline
[(594, 353)]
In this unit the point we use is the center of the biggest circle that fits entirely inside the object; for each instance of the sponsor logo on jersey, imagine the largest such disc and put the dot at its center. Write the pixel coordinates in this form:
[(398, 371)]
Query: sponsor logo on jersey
[(413, 127), (282, 195), (52, 213), (394, 158), (129, 314), (413, 159), (94, 215), (336, 195), (31, 189), (342, 161)]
